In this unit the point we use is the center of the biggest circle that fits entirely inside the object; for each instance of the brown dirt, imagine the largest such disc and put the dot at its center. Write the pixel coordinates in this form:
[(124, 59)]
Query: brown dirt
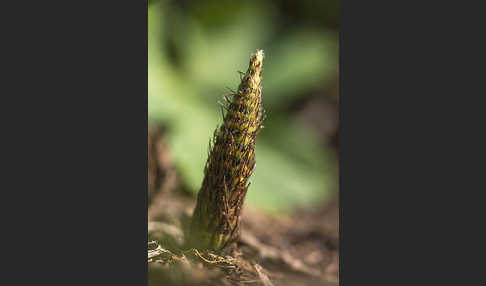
[(292, 249)]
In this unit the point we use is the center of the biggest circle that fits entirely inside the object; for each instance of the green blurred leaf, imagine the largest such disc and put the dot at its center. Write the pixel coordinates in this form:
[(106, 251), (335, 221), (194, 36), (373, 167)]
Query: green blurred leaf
[(300, 62), (291, 171), (213, 57), (172, 100)]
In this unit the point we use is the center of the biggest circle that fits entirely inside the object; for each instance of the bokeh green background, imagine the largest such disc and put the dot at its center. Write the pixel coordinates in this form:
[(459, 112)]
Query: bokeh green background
[(195, 50)]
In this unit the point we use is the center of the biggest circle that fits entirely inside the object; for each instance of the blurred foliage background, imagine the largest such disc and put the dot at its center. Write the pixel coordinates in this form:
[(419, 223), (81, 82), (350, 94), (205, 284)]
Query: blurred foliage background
[(195, 50)]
